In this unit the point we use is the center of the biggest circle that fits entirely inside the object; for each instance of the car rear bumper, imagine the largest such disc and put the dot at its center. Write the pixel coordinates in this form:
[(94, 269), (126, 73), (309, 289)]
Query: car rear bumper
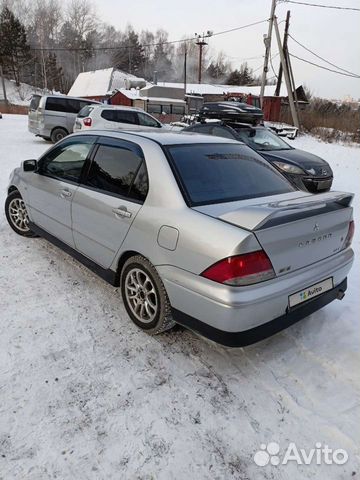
[(210, 308), (253, 335)]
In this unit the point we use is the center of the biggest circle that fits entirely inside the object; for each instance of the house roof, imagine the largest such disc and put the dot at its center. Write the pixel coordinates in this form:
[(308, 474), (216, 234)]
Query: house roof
[(99, 82), (211, 89)]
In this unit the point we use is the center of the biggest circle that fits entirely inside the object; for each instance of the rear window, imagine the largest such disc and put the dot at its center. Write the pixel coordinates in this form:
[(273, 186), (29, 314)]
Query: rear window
[(35, 100), (85, 111), (216, 173)]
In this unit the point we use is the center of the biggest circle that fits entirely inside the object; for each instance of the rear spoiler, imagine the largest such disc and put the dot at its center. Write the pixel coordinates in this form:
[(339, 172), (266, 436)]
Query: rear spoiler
[(265, 215)]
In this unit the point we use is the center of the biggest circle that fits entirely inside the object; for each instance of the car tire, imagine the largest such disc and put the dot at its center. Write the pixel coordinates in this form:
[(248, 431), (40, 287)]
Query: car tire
[(16, 214), (58, 134), (144, 296)]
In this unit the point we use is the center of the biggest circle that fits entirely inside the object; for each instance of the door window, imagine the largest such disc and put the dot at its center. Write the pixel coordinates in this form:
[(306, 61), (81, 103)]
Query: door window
[(66, 161), (118, 171)]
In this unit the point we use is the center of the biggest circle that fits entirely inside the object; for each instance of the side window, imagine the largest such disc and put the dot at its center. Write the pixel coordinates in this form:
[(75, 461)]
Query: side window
[(66, 161), (56, 104), (140, 186), (222, 132), (147, 121), (120, 116), (113, 170), (205, 129)]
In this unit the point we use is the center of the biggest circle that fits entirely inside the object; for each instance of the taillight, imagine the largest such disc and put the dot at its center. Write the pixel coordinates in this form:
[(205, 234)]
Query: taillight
[(87, 122), (243, 269), (350, 235)]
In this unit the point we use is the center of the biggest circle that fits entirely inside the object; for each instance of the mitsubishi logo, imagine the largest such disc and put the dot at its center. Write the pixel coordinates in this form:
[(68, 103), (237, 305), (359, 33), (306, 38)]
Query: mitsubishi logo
[(316, 227)]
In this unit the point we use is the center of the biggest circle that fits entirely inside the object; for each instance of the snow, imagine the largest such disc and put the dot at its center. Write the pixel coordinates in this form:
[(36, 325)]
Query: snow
[(100, 82), (85, 395), (211, 89), (19, 95)]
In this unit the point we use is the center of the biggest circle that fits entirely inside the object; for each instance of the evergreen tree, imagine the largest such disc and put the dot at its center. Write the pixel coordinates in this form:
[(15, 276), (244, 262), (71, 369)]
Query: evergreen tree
[(14, 49), (130, 56)]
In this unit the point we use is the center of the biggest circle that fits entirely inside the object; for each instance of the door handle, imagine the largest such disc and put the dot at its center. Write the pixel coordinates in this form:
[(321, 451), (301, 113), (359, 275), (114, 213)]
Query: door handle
[(122, 212), (65, 193)]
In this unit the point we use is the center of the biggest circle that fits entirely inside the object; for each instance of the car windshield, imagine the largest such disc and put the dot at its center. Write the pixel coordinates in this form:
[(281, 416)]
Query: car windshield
[(261, 139), (215, 173)]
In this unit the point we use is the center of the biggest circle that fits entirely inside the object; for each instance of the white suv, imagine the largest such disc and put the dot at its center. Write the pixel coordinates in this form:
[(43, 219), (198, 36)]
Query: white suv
[(113, 117)]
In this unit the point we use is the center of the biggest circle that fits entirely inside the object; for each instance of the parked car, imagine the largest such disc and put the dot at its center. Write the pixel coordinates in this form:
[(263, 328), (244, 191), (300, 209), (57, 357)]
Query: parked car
[(52, 116), (303, 169), (195, 229), (114, 117), (235, 111)]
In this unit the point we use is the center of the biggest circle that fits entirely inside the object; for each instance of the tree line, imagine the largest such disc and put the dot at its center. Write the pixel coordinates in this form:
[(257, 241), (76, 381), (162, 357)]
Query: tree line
[(47, 43)]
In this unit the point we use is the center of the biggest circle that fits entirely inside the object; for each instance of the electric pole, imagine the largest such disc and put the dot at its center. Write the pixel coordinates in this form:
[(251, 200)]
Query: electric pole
[(287, 23), (286, 76), (267, 41), (201, 43), (185, 67)]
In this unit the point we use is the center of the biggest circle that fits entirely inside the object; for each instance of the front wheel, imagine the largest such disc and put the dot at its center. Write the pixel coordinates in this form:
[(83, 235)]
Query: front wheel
[(17, 216), (144, 296)]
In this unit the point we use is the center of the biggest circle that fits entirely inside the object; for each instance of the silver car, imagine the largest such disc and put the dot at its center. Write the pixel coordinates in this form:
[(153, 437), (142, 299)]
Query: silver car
[(196, 230), (52, 117)]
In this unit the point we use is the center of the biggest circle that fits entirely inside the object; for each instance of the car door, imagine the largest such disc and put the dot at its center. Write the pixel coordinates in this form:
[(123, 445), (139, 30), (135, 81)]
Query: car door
[(52, 186), (109, 198)]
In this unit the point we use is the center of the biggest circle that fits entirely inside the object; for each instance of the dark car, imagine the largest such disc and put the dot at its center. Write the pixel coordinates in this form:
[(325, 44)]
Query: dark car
[(235, 111), (304, 170)]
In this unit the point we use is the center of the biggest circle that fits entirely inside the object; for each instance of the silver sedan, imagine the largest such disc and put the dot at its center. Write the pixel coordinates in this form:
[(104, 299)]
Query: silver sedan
[(196, 230)]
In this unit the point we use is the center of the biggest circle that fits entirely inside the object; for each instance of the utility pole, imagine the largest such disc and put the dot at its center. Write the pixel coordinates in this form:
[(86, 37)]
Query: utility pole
[(286, 76), (201, 43), (3, 84), (287, 23), (267, 41), (185, 67)]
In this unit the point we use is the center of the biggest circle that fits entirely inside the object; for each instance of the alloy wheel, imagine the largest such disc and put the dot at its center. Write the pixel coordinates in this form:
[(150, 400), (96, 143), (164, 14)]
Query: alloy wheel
[(18, 214), (141, 295)]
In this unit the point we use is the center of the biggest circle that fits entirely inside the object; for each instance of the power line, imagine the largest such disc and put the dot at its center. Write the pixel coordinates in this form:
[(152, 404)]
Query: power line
[(323, 59), (324, 68), (322, 6), (125, 47)]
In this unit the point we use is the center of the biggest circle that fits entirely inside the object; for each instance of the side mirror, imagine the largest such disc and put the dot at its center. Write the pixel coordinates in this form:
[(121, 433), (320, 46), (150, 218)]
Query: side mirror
[(29, 165)]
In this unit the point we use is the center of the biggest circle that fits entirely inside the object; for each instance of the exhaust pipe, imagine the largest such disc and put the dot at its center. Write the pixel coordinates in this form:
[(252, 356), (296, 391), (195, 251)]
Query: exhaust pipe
[(340, 294)]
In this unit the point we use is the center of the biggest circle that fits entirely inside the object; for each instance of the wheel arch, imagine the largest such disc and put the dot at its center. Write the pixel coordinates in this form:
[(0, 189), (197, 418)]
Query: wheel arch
[(121, 261), (12, 188)]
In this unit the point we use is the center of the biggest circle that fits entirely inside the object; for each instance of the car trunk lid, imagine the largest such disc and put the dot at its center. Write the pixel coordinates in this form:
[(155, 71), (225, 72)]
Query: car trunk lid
[(295, 230)]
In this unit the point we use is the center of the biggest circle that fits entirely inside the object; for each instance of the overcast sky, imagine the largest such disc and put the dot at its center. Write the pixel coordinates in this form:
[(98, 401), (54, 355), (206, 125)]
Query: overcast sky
[(332, 34)]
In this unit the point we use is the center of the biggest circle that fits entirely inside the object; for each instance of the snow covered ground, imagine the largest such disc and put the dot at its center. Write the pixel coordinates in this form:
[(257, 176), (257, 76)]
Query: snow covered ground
[(85, 395)]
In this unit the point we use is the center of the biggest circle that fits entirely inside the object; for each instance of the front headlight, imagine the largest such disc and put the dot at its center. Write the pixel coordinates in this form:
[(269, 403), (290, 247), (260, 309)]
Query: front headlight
[(288, 168)]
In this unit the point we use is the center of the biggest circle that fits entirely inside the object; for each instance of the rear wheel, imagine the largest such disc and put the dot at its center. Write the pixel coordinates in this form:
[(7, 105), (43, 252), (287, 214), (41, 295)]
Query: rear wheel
[(58, 134), (17, 216), (144, 296)]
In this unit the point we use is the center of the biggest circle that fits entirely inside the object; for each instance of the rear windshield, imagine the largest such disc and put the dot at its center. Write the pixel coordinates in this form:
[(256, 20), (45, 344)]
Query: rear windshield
[(85, 111), (215, 173), (35, 100)]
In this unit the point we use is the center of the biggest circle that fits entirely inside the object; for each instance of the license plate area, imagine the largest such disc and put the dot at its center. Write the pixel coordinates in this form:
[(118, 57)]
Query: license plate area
[(311, 292)]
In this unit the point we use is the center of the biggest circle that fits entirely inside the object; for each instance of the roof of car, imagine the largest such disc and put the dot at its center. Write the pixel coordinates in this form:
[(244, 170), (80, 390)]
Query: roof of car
[(162, 137), (118, 107)]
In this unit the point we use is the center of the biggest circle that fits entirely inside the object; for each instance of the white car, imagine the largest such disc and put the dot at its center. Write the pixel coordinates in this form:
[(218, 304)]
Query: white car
[(114, 117)]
